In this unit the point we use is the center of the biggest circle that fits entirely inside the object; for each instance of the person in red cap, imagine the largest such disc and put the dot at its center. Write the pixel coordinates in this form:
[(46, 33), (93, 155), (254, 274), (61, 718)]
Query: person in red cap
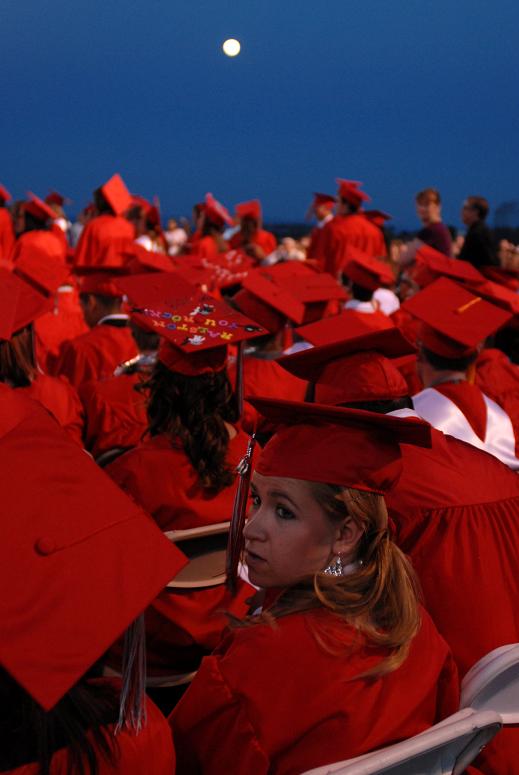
[(183, 471), (348, 228), (148, 230), (322, 208), (7, 236), (23, 301), (209, 242), (36, 231), (455, 508), (454, 323), (251, 237), (109, 228), (108, 343), (115, 407), (369, 282), (71, 543), (340, 631)]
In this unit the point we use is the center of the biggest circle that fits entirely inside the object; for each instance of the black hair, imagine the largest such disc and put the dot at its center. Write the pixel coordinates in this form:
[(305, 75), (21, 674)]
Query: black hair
[(360, 293), (192, 412), (102, 205), (29, 734), (382, 406), (442, 363), (31, 223)]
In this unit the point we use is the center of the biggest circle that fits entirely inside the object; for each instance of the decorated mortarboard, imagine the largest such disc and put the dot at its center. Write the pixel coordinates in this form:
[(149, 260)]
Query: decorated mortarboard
[(116, 194), (347, 447), (250, 209), (195, 327), (216, 212), (378, 217), (350, 191), (20, 304), (41, 270), (357, 368), (349, 323), (366, 271), (454, 321), (38, 208), (72, 584), (55, 198), (5, 196), (431, 264), (218, 272)]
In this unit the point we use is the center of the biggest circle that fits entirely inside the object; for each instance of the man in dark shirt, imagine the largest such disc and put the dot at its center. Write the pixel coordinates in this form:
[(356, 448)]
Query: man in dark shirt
[(478, 246), (434, 232)]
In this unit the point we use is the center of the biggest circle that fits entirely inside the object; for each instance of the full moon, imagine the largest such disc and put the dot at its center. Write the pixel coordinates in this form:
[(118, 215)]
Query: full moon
[(231, 47)]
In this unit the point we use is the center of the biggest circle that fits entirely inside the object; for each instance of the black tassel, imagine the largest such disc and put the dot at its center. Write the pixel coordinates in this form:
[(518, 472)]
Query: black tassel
[(132, 705), (239, 513)]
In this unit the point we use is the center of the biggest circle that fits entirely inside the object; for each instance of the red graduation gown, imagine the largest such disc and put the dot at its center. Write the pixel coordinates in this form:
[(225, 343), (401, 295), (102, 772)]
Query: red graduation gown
[(456, 511), (151, 751), (205, 247), (498, 378), (99, 234), (262, 238), (64, 322), (59, 397), (96, 354), (266, 378), (6, 234), (115, 413), (273, 700), (181, 626), (345, 231)]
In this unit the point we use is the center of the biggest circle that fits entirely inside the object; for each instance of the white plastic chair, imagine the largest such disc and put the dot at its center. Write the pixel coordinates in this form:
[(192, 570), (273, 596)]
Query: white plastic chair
[(493, 684), (445, 749)]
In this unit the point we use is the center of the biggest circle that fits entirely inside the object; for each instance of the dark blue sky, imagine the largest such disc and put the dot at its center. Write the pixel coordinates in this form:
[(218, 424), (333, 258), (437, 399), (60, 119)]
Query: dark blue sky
[(399, 95)]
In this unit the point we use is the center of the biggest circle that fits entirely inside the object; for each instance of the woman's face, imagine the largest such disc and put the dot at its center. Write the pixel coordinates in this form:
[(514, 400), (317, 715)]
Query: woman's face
[(288, 536)]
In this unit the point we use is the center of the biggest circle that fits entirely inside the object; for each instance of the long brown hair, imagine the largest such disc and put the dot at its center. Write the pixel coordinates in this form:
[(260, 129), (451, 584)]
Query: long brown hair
[(192, 412), (17, 360), (380, 597)]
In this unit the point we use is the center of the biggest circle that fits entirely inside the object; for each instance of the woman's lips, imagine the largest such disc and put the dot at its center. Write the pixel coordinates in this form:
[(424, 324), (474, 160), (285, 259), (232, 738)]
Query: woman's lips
[(252, 559)]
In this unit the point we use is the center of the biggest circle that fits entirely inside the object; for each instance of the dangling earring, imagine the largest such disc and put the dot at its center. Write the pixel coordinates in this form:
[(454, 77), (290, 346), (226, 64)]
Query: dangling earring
[(335, 568)]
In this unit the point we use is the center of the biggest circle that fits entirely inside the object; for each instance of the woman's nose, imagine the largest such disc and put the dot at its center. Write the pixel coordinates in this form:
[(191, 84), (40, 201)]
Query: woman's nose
[(253, 530)]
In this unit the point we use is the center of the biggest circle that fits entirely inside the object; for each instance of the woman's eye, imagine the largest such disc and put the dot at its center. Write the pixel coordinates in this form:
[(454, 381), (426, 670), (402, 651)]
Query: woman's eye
[(254, 500), (284, 513)]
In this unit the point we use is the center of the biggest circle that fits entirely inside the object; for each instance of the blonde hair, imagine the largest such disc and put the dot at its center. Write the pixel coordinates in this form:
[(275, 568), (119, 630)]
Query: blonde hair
[(379, 598)]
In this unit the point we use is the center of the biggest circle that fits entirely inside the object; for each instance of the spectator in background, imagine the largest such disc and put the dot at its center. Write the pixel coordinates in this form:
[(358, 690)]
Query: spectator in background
[(433, 232), (478, 246)]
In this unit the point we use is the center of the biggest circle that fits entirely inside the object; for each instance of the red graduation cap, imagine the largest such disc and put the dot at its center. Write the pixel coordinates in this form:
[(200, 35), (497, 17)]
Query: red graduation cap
[(55, 198), (346, 447), (497, 294), (102, 283), (195, 327), (261, 283), (348, 324), (37, 208), (116, 194), (218, 272), (44, 272), (378, 217), (20, 304), (5, 196), (431, 264), (454, 321), (79, 560), (366, 271), (139, 260), (350, 191), (264, 314), (357, 368), (216, 212), (324, 199), (250, 209)]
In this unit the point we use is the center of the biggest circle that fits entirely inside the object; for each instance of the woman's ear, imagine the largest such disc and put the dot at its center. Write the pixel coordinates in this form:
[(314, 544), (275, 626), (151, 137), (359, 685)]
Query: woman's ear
[(347, 538)]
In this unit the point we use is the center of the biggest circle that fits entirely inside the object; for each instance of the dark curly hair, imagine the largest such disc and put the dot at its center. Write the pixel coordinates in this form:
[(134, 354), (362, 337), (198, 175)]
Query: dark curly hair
[(192, 412)]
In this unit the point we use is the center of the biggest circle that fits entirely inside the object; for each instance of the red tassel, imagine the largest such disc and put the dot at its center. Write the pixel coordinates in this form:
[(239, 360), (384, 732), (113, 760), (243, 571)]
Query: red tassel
[(288, 336), (239, 512)]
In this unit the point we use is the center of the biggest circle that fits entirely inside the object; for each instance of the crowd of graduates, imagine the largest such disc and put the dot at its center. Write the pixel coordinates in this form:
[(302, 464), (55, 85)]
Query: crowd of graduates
[(260, 501)]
